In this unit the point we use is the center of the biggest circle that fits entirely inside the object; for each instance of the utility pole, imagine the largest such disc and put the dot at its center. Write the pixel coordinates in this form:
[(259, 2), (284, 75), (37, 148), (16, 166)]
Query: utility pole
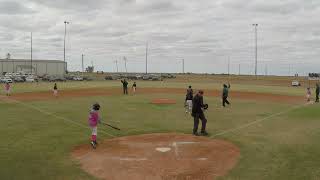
[(31, 53), (289, 70), (82, 63), (256, 48), (228, 65), (125, 63), (147, 58), (239, 69), (183, 66), (266, 70), (116, 61), (64, 46)]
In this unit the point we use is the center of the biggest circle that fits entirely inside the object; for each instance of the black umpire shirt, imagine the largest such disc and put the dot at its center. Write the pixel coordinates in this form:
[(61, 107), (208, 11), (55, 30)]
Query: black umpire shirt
[(197, 104)]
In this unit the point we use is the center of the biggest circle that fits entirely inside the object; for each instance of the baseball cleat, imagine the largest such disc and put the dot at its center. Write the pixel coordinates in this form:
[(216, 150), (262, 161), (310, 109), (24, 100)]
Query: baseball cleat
[(204, 133), (93, 145)]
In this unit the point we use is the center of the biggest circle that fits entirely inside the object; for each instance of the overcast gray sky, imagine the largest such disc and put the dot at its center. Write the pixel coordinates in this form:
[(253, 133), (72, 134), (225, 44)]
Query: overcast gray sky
[(203, 32)]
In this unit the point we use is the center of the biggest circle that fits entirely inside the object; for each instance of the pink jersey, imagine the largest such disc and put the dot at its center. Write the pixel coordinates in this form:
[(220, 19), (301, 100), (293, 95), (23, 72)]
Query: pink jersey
[(7, 87), (308, 92), (93, 118)]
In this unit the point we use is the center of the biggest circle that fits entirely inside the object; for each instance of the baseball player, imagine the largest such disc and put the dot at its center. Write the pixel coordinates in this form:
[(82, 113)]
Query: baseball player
[(197, 113), (125, 86), (188, 100), (94, 119), (134, 87), (225, 94), (317, 92), (7, 89), (308, 94), (55, 90)]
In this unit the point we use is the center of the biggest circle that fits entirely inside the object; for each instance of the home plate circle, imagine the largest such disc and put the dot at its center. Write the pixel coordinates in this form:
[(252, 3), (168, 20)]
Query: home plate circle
[(163, 149), (167, 156)]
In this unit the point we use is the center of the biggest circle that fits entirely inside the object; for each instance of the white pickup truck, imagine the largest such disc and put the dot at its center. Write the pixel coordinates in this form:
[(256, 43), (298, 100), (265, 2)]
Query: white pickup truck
[(295, 83)]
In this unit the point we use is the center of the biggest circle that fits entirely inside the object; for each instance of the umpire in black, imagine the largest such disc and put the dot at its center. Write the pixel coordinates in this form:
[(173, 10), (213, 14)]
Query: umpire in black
[(197, 113)]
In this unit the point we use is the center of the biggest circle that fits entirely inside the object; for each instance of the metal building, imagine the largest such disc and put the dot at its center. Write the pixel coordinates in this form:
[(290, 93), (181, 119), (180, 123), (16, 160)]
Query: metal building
[(38, 67)]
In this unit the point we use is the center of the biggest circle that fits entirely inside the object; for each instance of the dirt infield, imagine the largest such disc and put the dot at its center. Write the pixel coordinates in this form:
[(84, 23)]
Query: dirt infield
[(158, 157), (35, 96), (160, 101)]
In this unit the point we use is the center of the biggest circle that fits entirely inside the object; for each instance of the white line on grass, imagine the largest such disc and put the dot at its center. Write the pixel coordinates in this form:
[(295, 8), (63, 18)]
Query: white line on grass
[(55, 116), (258, 121)]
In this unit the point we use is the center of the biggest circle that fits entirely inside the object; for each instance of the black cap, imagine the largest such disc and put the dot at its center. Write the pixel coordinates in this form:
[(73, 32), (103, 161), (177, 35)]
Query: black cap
[(96, 106)]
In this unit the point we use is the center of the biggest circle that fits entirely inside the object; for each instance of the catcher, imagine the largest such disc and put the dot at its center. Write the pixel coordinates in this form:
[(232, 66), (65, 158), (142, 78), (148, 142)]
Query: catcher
[(197, 113)]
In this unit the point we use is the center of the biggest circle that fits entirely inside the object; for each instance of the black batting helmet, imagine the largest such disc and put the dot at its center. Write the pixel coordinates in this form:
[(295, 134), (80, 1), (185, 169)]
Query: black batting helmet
[(96, 106)]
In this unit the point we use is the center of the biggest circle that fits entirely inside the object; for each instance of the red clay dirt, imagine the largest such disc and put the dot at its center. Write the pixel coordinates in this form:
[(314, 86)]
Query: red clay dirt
[(163, 101), (182, 157), (36, 96)]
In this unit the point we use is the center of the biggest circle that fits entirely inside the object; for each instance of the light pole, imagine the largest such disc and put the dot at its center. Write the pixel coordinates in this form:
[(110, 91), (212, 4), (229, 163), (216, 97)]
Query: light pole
[(266, 70), (147, 58), (256, 48), (82, 63), (182, 66), (31, 52), (116, 61), (125, 63), (64, 45), (229, 65)]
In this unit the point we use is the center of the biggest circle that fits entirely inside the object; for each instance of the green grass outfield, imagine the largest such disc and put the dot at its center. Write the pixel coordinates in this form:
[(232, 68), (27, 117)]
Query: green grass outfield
[(212, 85), (36, 145)]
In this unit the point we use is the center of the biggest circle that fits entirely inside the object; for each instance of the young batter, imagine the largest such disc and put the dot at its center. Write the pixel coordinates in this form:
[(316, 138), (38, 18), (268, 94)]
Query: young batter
[(308, 94), (55, 90), (7, 89), (94, 119), (134, 87)]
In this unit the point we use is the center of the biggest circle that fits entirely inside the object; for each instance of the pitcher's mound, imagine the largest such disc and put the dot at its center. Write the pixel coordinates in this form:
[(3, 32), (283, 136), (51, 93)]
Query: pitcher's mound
[(163, 101), (158, 157)]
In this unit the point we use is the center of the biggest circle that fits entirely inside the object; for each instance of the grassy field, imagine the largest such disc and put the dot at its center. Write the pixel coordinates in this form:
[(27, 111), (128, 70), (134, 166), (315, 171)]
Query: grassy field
[(37, 136), (275, 85)]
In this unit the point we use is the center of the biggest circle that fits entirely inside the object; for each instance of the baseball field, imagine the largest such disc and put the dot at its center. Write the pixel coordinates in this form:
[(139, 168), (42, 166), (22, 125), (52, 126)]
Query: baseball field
[(268, 132)]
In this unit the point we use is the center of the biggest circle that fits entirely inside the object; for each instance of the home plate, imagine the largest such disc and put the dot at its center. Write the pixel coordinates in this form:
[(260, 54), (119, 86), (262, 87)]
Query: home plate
[(163, 149)]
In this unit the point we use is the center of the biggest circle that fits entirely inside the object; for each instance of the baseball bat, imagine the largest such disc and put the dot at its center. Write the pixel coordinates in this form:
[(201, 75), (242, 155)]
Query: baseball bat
[(111, 126)]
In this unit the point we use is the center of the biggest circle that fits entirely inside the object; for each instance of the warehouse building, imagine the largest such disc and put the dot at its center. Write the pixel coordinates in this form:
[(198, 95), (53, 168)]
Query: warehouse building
[(38, 67)]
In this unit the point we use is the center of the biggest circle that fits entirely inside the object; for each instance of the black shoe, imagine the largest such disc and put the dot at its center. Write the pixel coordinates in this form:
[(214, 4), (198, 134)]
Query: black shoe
[(204, 133), (196, 134), (93, 145)]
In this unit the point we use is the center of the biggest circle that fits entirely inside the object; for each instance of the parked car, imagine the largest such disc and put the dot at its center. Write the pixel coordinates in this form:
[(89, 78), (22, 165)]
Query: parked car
[(30, 79), (295, 83), (9, 75), (57, 78), (78, 78), (45, 77), (5, 80), (156, 77), (112, 77), (132, 77), (18, 79), (138, 76), (108, 77), (146, 77), (87, 78), (69, 77)]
